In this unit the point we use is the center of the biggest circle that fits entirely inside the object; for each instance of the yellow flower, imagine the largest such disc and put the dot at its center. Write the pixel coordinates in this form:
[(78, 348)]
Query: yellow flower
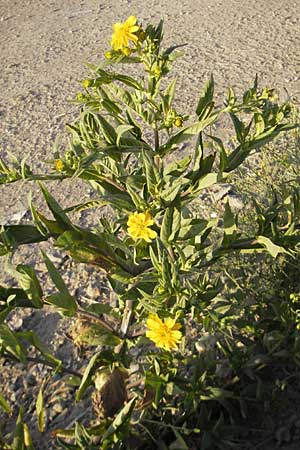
[(59, 165), (124, 32), (164, 334), (138, 226), (87, 83)]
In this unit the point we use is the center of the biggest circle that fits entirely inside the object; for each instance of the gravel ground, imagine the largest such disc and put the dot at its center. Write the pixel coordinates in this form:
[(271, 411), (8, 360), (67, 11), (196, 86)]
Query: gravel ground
[(44, 46)]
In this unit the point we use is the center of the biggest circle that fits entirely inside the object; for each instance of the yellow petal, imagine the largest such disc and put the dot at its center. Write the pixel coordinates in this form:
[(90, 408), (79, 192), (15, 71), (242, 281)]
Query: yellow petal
[(170, 322), (154, 322), (151, 233), (131, 21), (117, 26), (148, 219), (176, 335)]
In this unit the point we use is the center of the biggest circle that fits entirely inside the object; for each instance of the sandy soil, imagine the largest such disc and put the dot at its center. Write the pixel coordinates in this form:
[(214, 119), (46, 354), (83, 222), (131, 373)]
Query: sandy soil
[(44, 46)]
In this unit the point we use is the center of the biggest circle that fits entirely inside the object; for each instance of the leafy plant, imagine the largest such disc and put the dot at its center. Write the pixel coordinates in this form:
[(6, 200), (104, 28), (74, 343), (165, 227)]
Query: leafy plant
[(164, 260)]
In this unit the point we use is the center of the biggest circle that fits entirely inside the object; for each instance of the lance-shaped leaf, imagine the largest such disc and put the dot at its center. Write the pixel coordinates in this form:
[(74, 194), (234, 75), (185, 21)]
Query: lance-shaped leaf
[(40, 410), (35, 341), (11, 344), (272, 248), (206, 99), (107, 129), (20, 234), (12, 298), (27, 438), (28, 281), (239, 127), (60, 216), (88, 373), (121, 130), (64, 301), (243, 150), (4, 405), (229, 221), (188, 132), (18, 440), (121, 202), (177, 168), (123, 416), (94, 334), (167, 224), (37, 220), (152, 174), (171, 190)]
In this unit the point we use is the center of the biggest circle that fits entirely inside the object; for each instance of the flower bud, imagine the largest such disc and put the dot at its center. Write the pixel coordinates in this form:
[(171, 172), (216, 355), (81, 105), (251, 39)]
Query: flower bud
[(141, 35), (80, 97), (126, 51), (108, 55), (59, 165), (87, 83), (178, 122)]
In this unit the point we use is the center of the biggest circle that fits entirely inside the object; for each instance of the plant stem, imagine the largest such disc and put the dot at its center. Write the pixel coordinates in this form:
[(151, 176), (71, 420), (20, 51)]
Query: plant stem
[(156, 138), (126, 318), (93, 317), (51, 364)]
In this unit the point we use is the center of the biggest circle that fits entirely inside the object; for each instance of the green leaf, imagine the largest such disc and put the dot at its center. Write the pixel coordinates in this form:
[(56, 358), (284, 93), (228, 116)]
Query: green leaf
[(191, 227), (177, 168), (188, 132), (64, 303), (170, 92), (135, 197), (167, 224), (208, 180), (11, 344), (40, 410), (111, 107), (27, 438), (55, 275), (121, 202), (4, 405), (94, 334), (272, 248), (152, 173), (12, 298), (176, 223), (60, 216), (122, 129), (18, 441), (28, 281), (35, 341), (172, 190), (155, 260), (107, 129), (64, 300), (180, 443), (122, 417), (37, 221), (229, 221), (206, 97), (239, 128), (21, 234), (87, 376)]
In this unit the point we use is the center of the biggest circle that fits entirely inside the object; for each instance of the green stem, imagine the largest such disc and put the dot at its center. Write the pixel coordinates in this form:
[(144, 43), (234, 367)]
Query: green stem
[(92, 317), (156, 138), (51, 364)]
